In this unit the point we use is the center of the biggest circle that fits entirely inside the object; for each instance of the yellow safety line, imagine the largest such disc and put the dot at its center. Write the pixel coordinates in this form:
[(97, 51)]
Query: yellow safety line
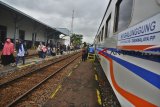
[(69, 74), (98, 97), (54, 93), (21, 66), (96, 77), (59, 86), (49, 58), (75, 66)]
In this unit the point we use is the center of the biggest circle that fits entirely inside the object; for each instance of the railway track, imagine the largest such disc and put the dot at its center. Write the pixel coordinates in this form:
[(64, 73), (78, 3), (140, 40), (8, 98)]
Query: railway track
[(14, 90), (4, 83)]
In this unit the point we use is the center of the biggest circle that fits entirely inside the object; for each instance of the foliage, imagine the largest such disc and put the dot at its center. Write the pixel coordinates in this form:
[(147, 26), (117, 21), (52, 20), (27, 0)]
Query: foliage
[(76, 39)]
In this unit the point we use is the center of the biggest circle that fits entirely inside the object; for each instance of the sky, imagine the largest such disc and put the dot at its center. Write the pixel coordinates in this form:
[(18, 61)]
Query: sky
[(58, 13)]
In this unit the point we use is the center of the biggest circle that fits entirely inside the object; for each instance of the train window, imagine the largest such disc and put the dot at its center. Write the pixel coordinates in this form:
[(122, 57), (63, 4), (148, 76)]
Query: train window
[(99, 37), (123, 14), (102, 33), (107, 28)]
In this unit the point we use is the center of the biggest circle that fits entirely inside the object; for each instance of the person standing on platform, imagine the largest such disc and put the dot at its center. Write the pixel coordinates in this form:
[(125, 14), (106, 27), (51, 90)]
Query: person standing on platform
[(21, 49), (87, 49), (39, 49), (48, 50), (61, 49), (68, 48), (44, 51), (83, 53), (58, 50), (7, 53), (53, 51)]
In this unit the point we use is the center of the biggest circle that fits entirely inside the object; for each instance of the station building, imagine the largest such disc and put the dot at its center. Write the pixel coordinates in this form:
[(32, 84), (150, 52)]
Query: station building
[(15, 24)]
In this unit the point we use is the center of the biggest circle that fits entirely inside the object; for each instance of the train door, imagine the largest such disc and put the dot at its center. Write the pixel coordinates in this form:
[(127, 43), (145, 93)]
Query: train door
[(3, 34)]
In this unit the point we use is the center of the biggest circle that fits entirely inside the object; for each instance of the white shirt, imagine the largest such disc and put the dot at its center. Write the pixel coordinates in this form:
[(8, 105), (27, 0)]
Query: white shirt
[(21, 52)]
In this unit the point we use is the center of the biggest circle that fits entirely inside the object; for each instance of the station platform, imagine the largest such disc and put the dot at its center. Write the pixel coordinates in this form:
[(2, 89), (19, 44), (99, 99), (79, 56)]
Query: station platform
[(78, 89), (30, 52), (5, 70)]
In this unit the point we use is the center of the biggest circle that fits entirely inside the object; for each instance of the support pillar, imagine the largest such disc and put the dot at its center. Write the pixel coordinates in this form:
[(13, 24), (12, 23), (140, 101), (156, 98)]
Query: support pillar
[(16, 29)]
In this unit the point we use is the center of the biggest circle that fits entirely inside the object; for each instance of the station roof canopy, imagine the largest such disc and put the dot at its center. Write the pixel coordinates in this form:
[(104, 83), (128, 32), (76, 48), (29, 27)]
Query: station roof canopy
[(64, 30), (18, 12)]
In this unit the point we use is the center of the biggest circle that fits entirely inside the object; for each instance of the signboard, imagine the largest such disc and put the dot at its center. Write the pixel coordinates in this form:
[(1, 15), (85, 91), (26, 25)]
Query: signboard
[(143, 36)]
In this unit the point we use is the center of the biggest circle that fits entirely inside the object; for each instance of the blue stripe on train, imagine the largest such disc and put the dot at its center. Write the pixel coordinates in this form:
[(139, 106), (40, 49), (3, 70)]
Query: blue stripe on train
[(157, 49), (147, 57), (147, 75)]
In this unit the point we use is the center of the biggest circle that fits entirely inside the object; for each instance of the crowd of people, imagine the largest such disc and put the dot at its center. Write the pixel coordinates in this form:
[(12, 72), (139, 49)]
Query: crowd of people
[(20, 48), (7, 55), (49, 50), (8, 58)]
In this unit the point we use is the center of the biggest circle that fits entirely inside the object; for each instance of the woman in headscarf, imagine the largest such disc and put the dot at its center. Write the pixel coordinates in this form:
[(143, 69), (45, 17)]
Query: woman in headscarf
[(21, 49), (7, 53)]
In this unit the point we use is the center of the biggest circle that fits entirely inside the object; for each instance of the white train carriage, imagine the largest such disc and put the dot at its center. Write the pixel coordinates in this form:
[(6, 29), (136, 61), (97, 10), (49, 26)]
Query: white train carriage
[(128, 46)]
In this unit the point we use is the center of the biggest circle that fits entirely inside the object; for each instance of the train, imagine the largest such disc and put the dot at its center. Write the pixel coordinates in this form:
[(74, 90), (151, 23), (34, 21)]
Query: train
[(127, 45)]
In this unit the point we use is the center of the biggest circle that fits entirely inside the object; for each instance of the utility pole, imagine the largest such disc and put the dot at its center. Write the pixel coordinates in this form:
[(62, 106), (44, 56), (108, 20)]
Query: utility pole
[(72, 22), (72, 26)]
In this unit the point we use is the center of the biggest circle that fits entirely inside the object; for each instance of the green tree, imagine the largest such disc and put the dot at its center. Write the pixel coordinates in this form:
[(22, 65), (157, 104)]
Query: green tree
[(76, 39)]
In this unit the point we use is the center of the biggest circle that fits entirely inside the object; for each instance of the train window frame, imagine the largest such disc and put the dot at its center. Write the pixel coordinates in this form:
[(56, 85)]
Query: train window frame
[(99, 37), (102, 31), (107, 27), (116, 19)]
